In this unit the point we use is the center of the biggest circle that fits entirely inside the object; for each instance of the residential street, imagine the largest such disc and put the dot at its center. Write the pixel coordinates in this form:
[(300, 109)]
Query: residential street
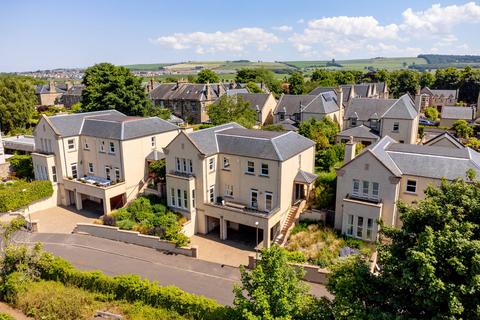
[(113, 258)]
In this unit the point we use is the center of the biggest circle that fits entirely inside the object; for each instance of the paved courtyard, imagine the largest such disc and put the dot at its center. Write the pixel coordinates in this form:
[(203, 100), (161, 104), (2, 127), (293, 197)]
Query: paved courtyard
[(226, 252), (61, 219)]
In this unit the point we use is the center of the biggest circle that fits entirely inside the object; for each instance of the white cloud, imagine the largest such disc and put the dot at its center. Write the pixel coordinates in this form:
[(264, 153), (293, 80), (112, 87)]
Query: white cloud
[(235, 41), (381, 48), (283, 28), (438, 19), (342, 34), (301, 21)]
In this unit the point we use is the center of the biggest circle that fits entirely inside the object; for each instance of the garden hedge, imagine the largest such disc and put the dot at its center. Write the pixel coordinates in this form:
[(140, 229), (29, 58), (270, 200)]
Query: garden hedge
[(18, 194), (132, 288)]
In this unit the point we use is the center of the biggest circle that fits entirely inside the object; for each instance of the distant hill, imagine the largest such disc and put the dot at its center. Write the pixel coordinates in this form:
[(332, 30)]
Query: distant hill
[(447, 58)]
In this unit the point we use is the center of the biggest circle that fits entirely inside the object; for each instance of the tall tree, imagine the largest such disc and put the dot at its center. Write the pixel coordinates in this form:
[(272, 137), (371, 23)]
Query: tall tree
[(17, 102), (448, 78), (404, 81), (470, 85), (207, 76), (430, 268), (272, 290), (114, 87), (427, 79), (232, 108), (296, 83), (246, 75)]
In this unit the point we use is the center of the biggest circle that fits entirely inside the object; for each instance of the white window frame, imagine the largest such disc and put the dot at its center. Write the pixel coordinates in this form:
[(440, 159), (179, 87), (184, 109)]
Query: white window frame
[(86, 146), (226, 163), (101, 146), (254, 204), (185, 199), (359, 227), (190, 166), (54, 174), (172, 197), (369, 228), (375, 190), (264, 170), (153, 141), (179, 198), (184, 163), (193, 198), (228, 190), (356, 187), (71, 144), (91, 168), (268, 208), (178, 164), (211, 164), (350, 225), (252, 167), (117, 174), (108, 173), (72, 166), (407, 185), (211, 194), (397, 126), (111, 147), (365, 188)]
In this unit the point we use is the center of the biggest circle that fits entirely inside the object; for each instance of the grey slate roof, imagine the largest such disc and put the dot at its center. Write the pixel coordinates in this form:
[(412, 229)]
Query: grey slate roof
[(365, 108), (45, 88), (359, 132), (109, 124), (323, 103), (255, 99), (288, 125), (233, 139), (425, 161), (183, 91), (443, 92), (346, 89), (444, 135), (452, 112), (305, 177)]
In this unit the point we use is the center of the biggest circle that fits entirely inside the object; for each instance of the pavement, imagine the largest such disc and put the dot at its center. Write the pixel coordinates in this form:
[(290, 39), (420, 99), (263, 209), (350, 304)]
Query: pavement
[(196, 276), (61, 219)]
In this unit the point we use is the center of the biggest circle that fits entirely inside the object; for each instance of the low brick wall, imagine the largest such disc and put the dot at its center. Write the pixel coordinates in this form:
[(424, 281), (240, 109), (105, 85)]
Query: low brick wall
[(313, 274), (134, 237)]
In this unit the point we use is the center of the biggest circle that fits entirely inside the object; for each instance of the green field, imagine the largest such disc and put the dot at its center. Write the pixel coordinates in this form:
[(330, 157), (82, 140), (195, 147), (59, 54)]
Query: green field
[(361, 64), (147, 66)]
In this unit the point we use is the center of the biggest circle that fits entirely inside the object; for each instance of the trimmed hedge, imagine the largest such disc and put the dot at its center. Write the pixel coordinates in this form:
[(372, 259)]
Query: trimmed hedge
[(132, 289), (18, 194)]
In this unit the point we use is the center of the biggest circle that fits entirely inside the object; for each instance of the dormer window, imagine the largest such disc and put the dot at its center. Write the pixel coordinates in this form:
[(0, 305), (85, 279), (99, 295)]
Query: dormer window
[(353, 122)]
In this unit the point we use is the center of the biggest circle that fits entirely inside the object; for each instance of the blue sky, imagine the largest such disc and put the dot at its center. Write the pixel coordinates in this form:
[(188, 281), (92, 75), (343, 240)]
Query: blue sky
[(50, 34)]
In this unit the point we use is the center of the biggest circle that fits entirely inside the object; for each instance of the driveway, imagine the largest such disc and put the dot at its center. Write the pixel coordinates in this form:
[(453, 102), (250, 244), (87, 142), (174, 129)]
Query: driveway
[(212, 249), (114, 258), (61, 219)]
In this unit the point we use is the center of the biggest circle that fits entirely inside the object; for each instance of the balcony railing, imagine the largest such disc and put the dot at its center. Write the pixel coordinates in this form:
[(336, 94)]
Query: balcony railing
[(95, 181), (242, 208), (359, 197), (182, 174)]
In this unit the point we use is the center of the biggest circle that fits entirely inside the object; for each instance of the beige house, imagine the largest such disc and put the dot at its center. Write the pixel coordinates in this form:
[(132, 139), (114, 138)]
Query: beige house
[(298, 108), (370, 185), (397, 118), (98, 159), (376, 90), (233, 181), (49, 95)]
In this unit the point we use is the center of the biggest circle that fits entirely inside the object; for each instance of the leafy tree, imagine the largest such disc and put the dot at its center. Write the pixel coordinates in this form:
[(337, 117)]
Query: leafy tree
[(462, 129), (427, 79), (257, 75), (431, 113), (159, 169), (272, 290), (324, 78), (470, 85), (232, 108), (448, 78), (207, 76), (404, 81), (22, 165), (296, 83), (473, 143), (162, 113), (253, 88), (429, 267), (114, 87), (321, 131), (17, 102)]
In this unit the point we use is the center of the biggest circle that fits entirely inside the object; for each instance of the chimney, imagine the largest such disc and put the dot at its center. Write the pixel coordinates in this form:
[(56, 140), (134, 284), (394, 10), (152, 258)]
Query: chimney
[(52, 86), (151, 85), (208, 93), (418, 101), (69, 85), (220, 89), (339, 92), (350, 150)]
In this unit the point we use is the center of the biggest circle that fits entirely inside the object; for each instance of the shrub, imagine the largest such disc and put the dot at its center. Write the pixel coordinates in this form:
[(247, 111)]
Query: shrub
[(22, 165), (21, 193), (158, 168), (463, 129), (14, 285), (5, 316), (431, 113), (125, 224)]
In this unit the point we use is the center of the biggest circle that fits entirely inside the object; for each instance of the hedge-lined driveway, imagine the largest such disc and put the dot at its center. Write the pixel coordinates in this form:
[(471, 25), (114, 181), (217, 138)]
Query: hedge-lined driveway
[(114, 258)]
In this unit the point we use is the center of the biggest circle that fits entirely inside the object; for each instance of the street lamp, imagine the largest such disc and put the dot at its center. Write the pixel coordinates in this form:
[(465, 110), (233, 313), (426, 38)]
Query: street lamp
[(256, 247)]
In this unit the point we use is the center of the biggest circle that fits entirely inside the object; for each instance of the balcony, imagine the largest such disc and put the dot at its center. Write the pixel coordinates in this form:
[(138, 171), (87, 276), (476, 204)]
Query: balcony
[(359, 197), (94, 186), (181, 174), (242, 208)]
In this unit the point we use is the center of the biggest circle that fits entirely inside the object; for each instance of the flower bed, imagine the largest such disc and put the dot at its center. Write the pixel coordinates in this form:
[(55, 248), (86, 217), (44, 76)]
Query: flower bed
[(148, 215), (309, 242)]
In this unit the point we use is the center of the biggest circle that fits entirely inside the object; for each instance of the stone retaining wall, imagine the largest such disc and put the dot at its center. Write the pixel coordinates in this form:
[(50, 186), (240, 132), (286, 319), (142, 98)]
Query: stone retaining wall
[(134, 237)]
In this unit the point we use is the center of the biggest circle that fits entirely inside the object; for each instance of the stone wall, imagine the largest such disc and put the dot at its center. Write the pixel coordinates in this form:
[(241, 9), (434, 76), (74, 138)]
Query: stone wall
[(313, 274), (4, 170), (134, 237)]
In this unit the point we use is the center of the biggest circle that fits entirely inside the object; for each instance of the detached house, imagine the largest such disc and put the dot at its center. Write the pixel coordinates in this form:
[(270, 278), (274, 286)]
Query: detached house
[(50, 94), (98, 159), (370, 185), (262, 103), (188, 101), (298, 108), (376, 90), (397, 118), (233, 181)]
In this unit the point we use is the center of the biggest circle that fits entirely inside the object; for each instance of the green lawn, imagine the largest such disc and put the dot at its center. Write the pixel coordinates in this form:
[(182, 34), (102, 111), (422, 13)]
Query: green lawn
[(361, 64)]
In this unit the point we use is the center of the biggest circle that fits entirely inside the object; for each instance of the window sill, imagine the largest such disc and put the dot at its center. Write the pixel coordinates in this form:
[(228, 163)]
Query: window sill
[(226, 169), (264, 175), (111, 153), (412, 193), (250, 173), (228, 197)]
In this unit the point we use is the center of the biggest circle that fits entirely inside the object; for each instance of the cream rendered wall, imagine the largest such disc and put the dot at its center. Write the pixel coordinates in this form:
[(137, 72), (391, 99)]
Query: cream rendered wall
[(407, 132), (267, 110), (100, 159), (366, 167)]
